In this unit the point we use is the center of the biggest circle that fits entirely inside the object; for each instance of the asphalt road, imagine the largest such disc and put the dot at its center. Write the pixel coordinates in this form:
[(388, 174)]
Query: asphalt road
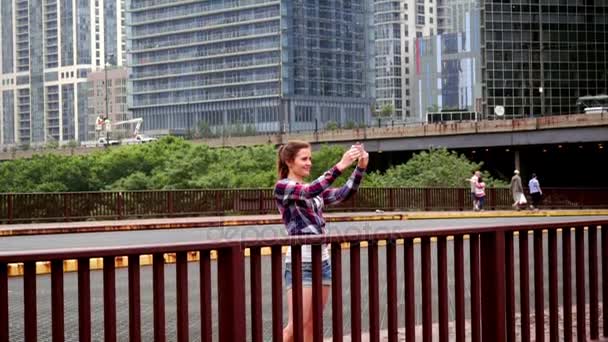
[(192, 235)]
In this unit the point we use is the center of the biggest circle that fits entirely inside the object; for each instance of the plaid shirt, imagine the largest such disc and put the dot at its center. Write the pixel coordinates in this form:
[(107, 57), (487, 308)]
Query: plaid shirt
[(301, 205)]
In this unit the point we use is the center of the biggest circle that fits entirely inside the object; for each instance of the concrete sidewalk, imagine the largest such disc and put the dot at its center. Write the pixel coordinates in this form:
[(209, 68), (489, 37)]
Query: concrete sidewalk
[(365, 336), (249, 220)]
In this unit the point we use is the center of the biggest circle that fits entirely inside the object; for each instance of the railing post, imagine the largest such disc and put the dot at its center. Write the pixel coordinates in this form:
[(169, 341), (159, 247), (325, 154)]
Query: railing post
[(57, 314), (427, 199), (134, 299), (66, 207), (119, 205), (218, 201), (493, 291), (158, 293), (170, 203), (10, 208), (261, 201), (231, 294), (4, 317), (109, 298), (84, 300), (461, 198), (29, 302)]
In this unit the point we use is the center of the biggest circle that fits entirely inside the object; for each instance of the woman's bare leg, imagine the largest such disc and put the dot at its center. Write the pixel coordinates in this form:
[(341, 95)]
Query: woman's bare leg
[(307, 310), (288, 330), (306, 313)]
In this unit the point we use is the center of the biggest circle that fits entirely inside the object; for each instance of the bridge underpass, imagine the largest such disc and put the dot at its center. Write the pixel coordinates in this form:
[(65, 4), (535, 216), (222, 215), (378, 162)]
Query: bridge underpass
[(557, 165)]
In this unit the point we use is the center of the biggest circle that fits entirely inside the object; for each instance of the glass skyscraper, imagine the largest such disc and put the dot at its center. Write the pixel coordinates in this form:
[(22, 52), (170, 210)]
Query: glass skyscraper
[(447, 73), (267, 65), (396, 24), (540, 57), (535, 58), (48, 48)]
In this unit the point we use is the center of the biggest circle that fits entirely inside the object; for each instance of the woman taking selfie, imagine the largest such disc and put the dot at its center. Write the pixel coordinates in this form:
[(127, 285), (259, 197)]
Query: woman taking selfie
[(301, 207)]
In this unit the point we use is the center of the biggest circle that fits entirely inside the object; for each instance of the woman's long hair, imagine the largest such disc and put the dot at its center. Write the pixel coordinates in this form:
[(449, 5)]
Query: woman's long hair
[(287, 153)]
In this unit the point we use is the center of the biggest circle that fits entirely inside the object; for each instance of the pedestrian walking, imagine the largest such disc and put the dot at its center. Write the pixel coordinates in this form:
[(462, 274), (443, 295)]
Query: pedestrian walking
[(473, 182), (480, 193), (535, 192), (517, 190), (301, 207)]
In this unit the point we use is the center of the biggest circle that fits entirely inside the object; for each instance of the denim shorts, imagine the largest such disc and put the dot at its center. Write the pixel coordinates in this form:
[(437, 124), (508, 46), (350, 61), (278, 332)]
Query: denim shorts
[(307, 274)]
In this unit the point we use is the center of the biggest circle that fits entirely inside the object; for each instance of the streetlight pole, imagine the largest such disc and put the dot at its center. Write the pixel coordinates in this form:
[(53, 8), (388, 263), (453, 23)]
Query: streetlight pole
[(106, 120)]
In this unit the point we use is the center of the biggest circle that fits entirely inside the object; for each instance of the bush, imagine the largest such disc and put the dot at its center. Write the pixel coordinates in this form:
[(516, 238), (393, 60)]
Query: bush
[(331, 126), (51, 145)]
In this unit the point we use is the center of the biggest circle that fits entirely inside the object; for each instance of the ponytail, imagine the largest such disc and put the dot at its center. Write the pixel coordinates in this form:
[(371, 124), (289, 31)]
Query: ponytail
[(287, 153), (282, 168)]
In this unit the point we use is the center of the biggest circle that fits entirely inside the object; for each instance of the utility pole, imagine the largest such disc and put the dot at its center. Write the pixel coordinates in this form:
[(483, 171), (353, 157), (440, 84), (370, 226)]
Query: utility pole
[(107, 118)]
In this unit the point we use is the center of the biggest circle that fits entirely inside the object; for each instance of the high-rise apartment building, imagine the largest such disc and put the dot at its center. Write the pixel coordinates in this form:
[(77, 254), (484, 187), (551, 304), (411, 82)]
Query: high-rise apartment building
[(535, 59), (48, 49), (443, 16), (396, 25), (269, 65)]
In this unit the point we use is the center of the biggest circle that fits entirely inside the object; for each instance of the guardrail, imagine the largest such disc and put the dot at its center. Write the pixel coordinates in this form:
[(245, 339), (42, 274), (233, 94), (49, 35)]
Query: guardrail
[(31, 207), (388, 130), (493, 268)]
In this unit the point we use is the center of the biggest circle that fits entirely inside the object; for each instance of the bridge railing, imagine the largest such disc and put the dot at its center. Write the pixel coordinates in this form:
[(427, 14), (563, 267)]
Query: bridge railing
[(493, 282), (392, 129), (29, 207)]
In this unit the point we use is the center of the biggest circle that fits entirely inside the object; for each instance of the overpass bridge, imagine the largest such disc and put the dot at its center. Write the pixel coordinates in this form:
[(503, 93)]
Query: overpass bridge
[(562, 129)]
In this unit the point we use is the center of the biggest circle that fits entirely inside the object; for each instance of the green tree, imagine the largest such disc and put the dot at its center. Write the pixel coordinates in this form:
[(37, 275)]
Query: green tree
[(204, 130), (173, 163), (331, 126), (433, 108), (135, 181), (73, 144), (52, 144), (350, 125), (433, 168), (387, 110)]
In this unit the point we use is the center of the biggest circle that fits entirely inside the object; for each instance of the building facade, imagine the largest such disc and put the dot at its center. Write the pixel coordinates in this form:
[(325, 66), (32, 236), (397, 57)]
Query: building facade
[(397, 24), (540, 57), (447, 75), (269, 65), (48, 49), (536, 59), (107, 98)]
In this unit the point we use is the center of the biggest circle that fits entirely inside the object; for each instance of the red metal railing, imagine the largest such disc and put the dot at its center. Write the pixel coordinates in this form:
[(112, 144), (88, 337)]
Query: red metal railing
[(492, 275), (28, 207)]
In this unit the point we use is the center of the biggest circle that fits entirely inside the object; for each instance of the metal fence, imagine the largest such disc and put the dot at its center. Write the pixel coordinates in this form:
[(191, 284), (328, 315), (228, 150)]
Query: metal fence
[(493, 272), (31, 207)]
